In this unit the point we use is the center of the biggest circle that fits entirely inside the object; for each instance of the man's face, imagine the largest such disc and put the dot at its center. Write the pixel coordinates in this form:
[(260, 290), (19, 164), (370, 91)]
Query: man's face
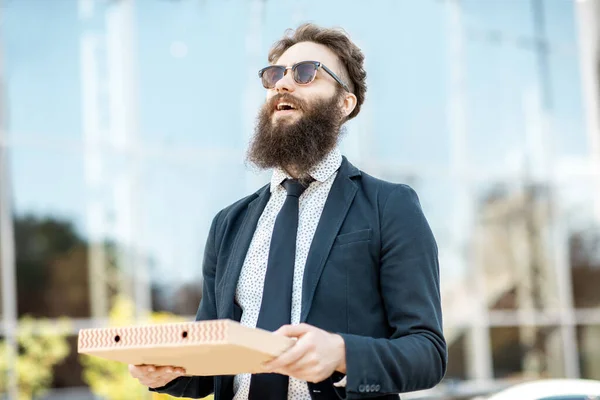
[(323, 87), (298, 137)]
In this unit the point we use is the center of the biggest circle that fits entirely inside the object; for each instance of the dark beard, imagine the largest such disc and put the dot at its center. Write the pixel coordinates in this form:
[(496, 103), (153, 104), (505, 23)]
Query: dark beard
[(300, 144)]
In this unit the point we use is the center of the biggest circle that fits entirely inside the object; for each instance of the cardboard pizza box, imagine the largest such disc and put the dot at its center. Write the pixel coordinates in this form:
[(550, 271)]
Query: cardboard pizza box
[(205, 348)]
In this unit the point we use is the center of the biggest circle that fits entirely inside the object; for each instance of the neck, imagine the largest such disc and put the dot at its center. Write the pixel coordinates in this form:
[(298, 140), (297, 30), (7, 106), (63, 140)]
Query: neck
[(302, 178), (293, 172)]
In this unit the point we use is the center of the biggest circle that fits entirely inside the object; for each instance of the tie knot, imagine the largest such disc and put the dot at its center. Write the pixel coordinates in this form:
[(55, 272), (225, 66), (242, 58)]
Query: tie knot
[(293, 187)]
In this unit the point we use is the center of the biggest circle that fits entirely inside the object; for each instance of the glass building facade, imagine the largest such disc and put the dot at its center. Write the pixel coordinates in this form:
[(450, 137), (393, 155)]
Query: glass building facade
[(124, 126)]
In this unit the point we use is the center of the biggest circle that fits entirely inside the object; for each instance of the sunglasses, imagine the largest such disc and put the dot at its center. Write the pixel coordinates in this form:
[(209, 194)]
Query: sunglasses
[(304, 73)]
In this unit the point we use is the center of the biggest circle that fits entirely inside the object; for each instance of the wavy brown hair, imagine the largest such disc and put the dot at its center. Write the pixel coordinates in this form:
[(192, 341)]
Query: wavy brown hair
[(338, 41)]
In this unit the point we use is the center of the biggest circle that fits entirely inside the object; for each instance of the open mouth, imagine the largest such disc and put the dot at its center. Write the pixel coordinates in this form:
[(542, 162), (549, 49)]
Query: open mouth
[(284, 107)]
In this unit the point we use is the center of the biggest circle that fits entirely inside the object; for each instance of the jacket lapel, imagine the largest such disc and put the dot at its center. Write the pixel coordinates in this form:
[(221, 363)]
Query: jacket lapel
[(239, 250), (336, 207)]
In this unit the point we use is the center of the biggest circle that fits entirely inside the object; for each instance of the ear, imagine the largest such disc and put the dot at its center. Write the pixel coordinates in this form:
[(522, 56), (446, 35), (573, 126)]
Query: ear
[(348, 103)]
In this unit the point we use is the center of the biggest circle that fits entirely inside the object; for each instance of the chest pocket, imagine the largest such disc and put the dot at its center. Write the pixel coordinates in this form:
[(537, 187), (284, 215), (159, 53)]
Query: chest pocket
[(352, 237)]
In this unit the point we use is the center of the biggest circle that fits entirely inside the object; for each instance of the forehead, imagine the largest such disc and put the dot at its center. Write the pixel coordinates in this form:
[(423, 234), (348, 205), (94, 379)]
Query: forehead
[(308, 51)]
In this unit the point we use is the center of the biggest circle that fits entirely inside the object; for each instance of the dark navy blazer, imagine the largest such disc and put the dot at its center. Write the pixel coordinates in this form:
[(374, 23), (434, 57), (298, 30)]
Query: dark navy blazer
[(372, 276)]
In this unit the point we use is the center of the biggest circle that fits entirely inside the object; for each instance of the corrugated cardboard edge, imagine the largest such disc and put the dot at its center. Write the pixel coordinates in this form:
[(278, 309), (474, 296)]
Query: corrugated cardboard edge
[(224, 331)]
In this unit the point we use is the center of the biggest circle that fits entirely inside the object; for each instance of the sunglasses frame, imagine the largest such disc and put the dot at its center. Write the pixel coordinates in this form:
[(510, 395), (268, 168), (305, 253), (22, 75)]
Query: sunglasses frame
[(317, 65)]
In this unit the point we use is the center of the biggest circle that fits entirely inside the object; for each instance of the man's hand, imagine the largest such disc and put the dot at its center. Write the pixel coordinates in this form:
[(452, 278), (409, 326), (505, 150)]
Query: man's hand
[(313, 358), (154, 376)]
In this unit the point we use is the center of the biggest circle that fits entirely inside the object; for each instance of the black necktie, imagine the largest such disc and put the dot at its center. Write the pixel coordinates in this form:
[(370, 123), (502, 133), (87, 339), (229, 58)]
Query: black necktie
[(276, 306)]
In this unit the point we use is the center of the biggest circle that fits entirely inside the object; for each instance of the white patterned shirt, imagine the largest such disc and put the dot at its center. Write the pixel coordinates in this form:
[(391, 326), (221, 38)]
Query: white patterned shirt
[(252, 276)]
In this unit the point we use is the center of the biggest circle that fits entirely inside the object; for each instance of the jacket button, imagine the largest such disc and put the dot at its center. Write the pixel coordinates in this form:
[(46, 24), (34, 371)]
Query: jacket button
[(361, 388)]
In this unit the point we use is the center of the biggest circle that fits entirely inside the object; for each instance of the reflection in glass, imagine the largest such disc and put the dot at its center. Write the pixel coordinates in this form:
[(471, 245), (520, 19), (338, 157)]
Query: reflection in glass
[(70, 251), (513, 139), (180, 198), (52, 276), (584, 246), (513, 225), (457, 367), (42, 70), (582, 232), (526, 352), (69, 372), (1, 294), (589, 351), (510, 18), (90, 224), (50, 245), (177, 298)]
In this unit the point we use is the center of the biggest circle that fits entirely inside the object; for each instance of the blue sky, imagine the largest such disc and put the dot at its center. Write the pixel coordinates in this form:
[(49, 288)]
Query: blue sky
[(204, 102)]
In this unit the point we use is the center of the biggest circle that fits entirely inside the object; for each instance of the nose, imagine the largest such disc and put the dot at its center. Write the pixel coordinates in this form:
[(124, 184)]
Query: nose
[(286, 84)]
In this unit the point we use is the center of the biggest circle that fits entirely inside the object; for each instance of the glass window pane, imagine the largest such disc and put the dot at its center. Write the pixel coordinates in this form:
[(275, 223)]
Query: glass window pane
[(52, 275), (527, 352), (457, 353), (572, 142), (68, 374), (512, 246), (75, 230), (42, 69), (193, 71), (561, 23), (407, 109), (589, 351), (584, 246), (582, 224), (514, 18), (181, 196), (1, 272), (1, 295), (505, 76), (50, 233)]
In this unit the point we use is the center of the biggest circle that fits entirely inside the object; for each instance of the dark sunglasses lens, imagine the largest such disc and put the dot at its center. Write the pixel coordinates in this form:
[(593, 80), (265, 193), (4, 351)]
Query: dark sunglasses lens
[(271, 75), (305, 73)]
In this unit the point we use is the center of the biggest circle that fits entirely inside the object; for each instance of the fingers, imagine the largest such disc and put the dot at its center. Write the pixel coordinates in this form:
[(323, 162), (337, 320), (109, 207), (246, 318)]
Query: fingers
[(154, 370), (294, 330), (155, 376), (293, 354), (159, 376), (155, 383), (308, 368), (305, 362)]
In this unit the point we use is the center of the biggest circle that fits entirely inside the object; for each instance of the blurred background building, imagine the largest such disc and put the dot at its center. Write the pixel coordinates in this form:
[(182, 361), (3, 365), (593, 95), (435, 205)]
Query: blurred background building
[(124, 126)]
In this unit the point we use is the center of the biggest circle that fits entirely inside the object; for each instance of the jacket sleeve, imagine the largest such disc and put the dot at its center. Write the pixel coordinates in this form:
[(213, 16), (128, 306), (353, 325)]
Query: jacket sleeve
[(197, 387), (415, 355)]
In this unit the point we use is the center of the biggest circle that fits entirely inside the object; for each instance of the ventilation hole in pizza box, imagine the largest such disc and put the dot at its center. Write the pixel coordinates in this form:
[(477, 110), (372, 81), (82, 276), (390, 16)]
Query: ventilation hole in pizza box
[(184, 334), (117, 339)]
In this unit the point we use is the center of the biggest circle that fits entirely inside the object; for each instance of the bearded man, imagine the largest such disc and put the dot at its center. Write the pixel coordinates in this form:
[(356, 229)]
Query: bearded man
[(325, 253)]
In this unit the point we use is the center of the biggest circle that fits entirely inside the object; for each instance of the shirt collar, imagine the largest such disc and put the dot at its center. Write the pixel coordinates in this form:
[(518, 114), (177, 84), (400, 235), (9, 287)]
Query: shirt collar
[(320, 172)]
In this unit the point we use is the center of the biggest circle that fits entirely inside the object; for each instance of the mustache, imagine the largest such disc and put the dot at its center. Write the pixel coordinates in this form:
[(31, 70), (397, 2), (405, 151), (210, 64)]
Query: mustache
[(288, 98)]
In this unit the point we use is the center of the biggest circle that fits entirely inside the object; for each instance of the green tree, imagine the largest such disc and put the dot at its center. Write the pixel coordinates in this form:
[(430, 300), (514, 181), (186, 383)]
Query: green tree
[(51, 259), (42, 345)]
